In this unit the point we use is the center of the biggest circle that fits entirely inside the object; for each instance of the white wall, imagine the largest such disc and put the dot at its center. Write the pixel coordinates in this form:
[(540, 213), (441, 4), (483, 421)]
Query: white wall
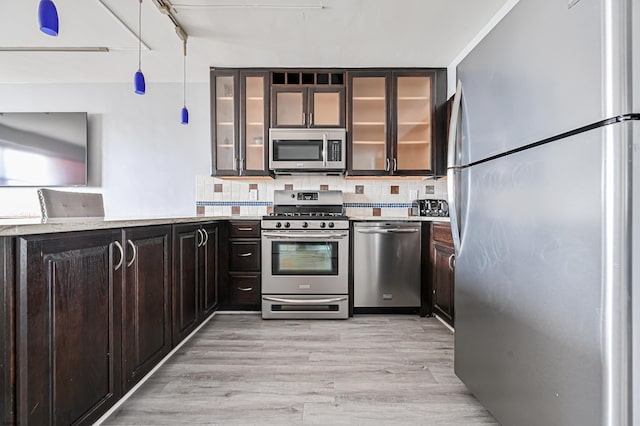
[(140, 156)]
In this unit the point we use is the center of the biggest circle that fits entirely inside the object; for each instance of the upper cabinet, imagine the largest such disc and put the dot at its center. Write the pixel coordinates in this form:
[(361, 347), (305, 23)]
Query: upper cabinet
[(395, 121), (308, 99), (239, 118)]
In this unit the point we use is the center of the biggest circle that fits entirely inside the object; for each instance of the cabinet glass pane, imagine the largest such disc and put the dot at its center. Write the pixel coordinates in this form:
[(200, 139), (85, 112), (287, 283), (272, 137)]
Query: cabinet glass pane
[(326, 109), (369, 134), (225, 125), (289, 108), (254, 123), (414, 123)]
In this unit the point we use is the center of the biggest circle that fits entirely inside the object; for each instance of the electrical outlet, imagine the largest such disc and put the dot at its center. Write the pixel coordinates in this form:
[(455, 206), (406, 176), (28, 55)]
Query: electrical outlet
[(413, 194), (253, 194)]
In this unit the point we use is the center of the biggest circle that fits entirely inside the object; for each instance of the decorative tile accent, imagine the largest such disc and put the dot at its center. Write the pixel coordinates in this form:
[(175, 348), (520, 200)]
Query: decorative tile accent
[(410, 212), (200, 210), (288, 186), (395, 189), (217, 187), (235, 209), (269, 209), (234, 203), (359, 189), (253, 186), (379, 205), (324, 187), (377, 211), (429, 189)]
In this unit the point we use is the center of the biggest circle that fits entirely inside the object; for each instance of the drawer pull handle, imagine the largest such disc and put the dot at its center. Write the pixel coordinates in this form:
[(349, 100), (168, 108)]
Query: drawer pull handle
[(245, 254), (452, 261), (245, 288), (245, 229)]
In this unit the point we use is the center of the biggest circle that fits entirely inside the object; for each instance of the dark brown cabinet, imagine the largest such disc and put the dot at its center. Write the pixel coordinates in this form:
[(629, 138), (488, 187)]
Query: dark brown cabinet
[(397, 121), (308, 98), (195, 276), (7, 332), (239, 120), (146, 300), (68, 326), (243, 286), (443, 264)]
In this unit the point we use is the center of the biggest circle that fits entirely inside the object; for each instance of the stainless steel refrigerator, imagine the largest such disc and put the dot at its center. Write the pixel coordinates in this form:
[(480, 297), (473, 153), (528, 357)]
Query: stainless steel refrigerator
[(544, 193)]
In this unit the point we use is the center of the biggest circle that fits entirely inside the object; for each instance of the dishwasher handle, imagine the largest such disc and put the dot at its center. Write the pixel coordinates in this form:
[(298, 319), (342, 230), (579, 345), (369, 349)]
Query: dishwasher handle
[(388, 230)]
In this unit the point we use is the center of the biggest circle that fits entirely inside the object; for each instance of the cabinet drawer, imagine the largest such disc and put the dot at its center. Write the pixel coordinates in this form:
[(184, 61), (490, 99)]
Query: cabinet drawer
[(441, 232), (244, 289), (245, 229), (245, 256)]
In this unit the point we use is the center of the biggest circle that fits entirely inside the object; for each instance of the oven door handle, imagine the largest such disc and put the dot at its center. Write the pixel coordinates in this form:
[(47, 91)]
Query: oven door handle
[(289, 235), (304, 301)]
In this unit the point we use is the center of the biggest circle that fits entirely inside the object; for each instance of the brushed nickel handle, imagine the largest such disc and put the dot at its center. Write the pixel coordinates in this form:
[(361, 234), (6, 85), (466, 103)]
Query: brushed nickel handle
[(206, 237), (248, 228), (452, 261), (304, 119), (119, 264), (395, 164), (135, 253), (311, 118), (245, 254), (386, 165), (245, 288), (304, 301), (199, 243)]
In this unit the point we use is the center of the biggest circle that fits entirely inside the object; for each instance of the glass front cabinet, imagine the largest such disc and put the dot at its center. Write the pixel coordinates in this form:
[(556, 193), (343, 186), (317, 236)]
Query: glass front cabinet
[(303, 99), (239, 118), (393, 127)]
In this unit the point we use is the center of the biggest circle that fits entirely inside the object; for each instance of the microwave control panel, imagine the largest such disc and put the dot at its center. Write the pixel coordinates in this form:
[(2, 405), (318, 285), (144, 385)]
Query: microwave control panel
[(335, 150)]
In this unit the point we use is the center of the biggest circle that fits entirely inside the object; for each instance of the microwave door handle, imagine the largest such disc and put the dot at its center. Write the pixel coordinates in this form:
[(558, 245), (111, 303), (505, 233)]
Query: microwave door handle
[(324, 149)]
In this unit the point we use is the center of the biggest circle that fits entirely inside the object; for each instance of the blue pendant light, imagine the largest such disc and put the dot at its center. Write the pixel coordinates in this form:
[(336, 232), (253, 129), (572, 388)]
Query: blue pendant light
[(184, 113), (138, 80), (48, 17)]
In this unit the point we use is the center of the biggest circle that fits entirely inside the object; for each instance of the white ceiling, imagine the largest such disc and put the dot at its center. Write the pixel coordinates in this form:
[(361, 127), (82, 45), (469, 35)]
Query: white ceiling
[(236, 33)]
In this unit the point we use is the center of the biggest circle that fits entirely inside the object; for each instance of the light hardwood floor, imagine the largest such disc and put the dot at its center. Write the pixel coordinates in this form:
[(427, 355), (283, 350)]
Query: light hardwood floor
[(368, 370)]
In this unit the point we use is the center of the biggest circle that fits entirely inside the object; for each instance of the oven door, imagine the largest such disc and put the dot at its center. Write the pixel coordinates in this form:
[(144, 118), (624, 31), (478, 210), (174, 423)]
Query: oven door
[(305, 262)]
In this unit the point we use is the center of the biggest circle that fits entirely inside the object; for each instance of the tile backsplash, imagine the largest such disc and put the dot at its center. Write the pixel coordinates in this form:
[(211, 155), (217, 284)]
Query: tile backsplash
[(361, 197)]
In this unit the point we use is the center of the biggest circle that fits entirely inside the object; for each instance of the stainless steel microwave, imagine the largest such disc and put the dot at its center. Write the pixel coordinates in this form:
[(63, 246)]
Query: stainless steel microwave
[(307, 151)]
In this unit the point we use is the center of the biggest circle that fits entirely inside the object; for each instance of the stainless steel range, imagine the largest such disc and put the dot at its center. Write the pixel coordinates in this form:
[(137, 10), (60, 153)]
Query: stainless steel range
[(305, 256)]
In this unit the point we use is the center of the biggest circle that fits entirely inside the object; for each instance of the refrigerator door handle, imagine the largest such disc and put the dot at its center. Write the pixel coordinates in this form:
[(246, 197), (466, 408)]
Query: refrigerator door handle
[(453, 167)]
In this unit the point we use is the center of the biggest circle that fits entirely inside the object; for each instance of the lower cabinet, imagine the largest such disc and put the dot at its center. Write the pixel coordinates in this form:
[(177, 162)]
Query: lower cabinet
[(7, 332), (243, 289), (195, 276), (146, 300), (68, 326), (443, 261)]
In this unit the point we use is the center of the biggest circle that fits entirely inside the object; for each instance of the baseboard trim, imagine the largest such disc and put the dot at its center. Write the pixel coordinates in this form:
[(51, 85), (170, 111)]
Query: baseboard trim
[(122, 400), (445, 324)]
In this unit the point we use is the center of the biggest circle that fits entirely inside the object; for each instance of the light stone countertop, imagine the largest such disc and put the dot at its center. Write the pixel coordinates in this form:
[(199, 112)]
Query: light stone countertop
[(11, 227)]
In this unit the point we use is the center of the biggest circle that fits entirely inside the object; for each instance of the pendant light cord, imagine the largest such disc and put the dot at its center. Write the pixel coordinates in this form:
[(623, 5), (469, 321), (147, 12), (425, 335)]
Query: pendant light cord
[(139, 35), (184, 75)]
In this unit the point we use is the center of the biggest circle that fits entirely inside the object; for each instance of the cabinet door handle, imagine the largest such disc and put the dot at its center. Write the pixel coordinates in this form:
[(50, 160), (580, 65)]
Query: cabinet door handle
[(245, 288), (311, 119), (245, 229), (386, 165), (199, 243), (205, 235), (245, 254), (304, 119), (395, 164), (135, 253), (452, 261), (119, 264)]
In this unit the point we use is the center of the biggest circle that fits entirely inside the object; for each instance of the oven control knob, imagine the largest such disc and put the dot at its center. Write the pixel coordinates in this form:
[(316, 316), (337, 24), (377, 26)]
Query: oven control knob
[(287, 225), (330, 224), (322, 224), (305, 225), (278, 225)]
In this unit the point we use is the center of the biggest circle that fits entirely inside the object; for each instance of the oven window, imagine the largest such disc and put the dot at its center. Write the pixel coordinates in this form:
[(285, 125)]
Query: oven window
[(308, 150), (304, 258)]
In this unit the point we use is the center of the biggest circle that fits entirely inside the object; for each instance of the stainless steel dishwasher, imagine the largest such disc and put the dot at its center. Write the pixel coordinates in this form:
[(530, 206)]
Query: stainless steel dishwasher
[(386, 264)]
